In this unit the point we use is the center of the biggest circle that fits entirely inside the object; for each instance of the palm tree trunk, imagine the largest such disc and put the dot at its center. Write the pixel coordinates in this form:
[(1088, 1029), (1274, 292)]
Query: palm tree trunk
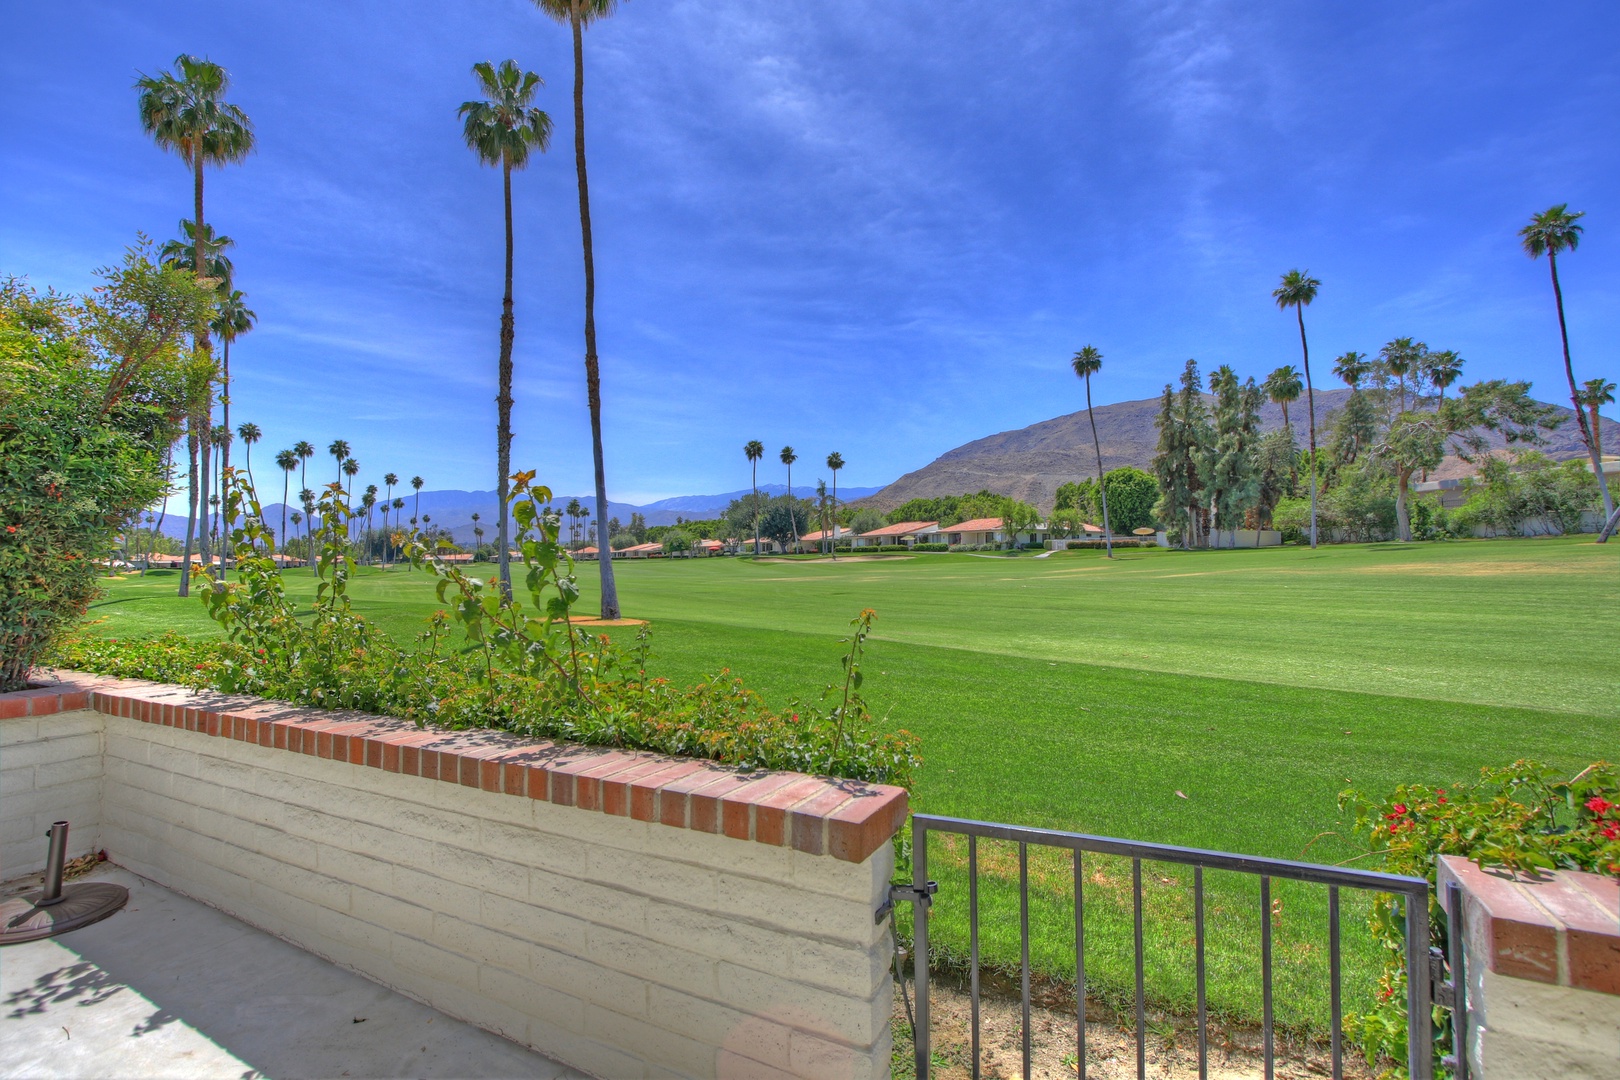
[(1310, 406), (204, 344), (225, 417), (1575, 397), (281, 537), (191, 508), (1597, 431), (756, 508), (1108, 532), (593, 374), (163, 512), (503, 400), (792, 518), (835, 516)]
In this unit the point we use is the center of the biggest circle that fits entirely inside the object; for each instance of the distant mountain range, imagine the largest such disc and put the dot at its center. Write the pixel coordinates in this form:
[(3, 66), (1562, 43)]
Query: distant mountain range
[(453, 510), (1031, 462)]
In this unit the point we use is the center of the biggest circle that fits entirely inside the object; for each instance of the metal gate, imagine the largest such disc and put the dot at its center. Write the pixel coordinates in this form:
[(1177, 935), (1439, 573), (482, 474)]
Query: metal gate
[(1427, 970)]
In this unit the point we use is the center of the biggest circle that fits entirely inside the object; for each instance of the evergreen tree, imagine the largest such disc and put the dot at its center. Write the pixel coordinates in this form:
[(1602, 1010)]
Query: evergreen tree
[(1183, 424), (1226, 464)]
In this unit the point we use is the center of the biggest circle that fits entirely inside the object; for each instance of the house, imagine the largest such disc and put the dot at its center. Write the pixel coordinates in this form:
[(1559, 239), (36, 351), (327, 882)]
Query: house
[(815, 540), (976, 532), (588, 553), (904, 532), (640, 551)]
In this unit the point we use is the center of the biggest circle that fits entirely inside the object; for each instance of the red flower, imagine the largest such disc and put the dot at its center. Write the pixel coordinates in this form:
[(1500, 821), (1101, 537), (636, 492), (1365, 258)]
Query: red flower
[(1442, 799), (1400, 811), (11, 528), (1598, 805), (1612, 830)]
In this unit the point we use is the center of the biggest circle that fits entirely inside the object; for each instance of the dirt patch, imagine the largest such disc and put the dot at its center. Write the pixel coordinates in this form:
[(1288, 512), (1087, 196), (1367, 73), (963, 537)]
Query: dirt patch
[(1171, 1044), (592, 624)]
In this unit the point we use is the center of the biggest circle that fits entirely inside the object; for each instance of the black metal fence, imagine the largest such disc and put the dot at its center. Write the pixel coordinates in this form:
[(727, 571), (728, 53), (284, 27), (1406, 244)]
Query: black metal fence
[(1412, 891)]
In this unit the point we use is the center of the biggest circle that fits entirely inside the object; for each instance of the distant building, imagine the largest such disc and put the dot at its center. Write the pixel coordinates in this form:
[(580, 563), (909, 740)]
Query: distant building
[(904, 532)]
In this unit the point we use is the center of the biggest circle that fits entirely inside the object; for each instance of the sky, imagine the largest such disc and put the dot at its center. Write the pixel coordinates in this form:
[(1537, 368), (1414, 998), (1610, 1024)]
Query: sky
[(880, 229)]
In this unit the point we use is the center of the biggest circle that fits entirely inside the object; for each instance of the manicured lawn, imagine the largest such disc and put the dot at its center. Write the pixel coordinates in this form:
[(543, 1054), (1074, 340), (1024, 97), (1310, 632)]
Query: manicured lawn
[(1075, 693)]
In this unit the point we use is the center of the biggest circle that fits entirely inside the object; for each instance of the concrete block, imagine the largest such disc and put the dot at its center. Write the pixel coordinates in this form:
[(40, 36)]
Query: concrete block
[(480, 871), (391, 913), (481, 945), (601, 904), (437, 963), (843, 1019), (756, 1037), (655, 1045), (589, 980), (653, 961), (651, 876)]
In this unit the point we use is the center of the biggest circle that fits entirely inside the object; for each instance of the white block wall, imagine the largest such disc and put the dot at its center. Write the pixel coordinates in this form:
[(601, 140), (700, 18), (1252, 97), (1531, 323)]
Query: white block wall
[(50, 770), (624, 948), (1524, 1030)]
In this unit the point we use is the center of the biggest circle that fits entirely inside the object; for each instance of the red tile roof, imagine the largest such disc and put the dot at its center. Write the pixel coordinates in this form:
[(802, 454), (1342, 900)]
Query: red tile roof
[(824, 534), (904, 528), (976, 525)]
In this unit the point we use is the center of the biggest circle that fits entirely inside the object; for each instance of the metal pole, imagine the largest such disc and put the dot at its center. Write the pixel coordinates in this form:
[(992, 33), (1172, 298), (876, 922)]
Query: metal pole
[(919, 948), (1419, 1029), (55, 862)]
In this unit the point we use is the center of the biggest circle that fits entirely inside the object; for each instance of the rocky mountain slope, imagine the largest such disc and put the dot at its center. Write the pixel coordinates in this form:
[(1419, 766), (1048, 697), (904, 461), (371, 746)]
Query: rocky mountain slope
[(1031, 462)]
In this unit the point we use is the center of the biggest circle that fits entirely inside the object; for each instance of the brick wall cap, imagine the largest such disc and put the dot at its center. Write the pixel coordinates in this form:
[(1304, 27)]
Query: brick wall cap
[(845, 819), (1561, 927)]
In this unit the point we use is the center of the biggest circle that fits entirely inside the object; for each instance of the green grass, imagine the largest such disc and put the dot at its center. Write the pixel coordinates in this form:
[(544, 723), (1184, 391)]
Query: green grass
[(1077, 693)]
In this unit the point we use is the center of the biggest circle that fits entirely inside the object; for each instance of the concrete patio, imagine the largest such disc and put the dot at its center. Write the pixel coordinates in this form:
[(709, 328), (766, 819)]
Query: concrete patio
[(169, 987)]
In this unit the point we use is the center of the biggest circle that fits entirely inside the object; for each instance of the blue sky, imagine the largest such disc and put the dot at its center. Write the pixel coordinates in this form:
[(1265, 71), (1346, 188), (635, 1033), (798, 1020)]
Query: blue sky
[(873, 228)]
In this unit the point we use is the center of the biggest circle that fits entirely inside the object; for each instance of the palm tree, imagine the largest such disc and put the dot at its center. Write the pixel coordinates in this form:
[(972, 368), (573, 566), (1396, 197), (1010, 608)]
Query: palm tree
[(187, 113), (305, 450), (503, 130), (249, 433), (1296, 290), (1086, 363), (753, 449), (306, 498), (788, 458), (389, 479), (821, 508), (1283, 386), (339, 449), (182, 254), (1403, 357), (1442, 369), (478, 534), (399, 507), (351, 469), (296, 518), (577, 14), (220, 437), (1352, 368), (234, 318), (416, 511), (1550, 232), (287, 460), (574, 512), (366, 504), (1596, 393), (835, 461)]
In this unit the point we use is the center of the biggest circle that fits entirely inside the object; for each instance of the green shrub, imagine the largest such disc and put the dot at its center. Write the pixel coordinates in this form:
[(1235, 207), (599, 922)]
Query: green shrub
[(1525, 817), (88, 391), (521, 666)]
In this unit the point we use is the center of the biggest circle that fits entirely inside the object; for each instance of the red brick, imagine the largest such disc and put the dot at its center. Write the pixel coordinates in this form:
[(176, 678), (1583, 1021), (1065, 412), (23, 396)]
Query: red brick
[(44, 704), (13, 707), (537, 781), (807, 822), (737, 808), (616, 775), (771, 811), (675, 801), (704, 804), (75, 699), (866, 822), (645, 791)]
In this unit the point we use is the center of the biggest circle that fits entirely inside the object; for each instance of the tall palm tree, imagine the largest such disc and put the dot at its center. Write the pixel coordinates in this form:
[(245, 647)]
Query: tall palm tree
[(1352, 368), (339, 449), (575, 512), (198, 378), (287, 460), (351, 469), (1442, 369), (306, 498), (1403, 357), (305, 450), (821, 508), (399, 507), (1551, 232), (1596, 393), (1296, 290), (389, 480), (753, 449), (416, 511), (788, 458), (296, 518), (185, 111), (835, 461), (249, 433), (1086, 363), (233, 319), (220, 437), (576, 15), (504, 129), (367, 502)]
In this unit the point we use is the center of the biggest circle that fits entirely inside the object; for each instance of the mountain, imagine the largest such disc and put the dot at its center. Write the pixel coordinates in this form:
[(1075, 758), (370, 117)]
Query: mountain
[(454, 509), (1031, 462)]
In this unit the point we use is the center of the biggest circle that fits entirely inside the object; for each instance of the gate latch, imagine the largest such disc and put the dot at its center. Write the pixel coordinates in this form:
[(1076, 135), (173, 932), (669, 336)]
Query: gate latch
[(906, 894), (1442, 991)]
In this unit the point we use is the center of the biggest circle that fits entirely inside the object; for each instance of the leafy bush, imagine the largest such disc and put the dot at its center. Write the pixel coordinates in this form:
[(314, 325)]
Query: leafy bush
[(522, 667), (88, 392), (1525, 817), (1099, 545), (1531, 490), (930, 547)]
